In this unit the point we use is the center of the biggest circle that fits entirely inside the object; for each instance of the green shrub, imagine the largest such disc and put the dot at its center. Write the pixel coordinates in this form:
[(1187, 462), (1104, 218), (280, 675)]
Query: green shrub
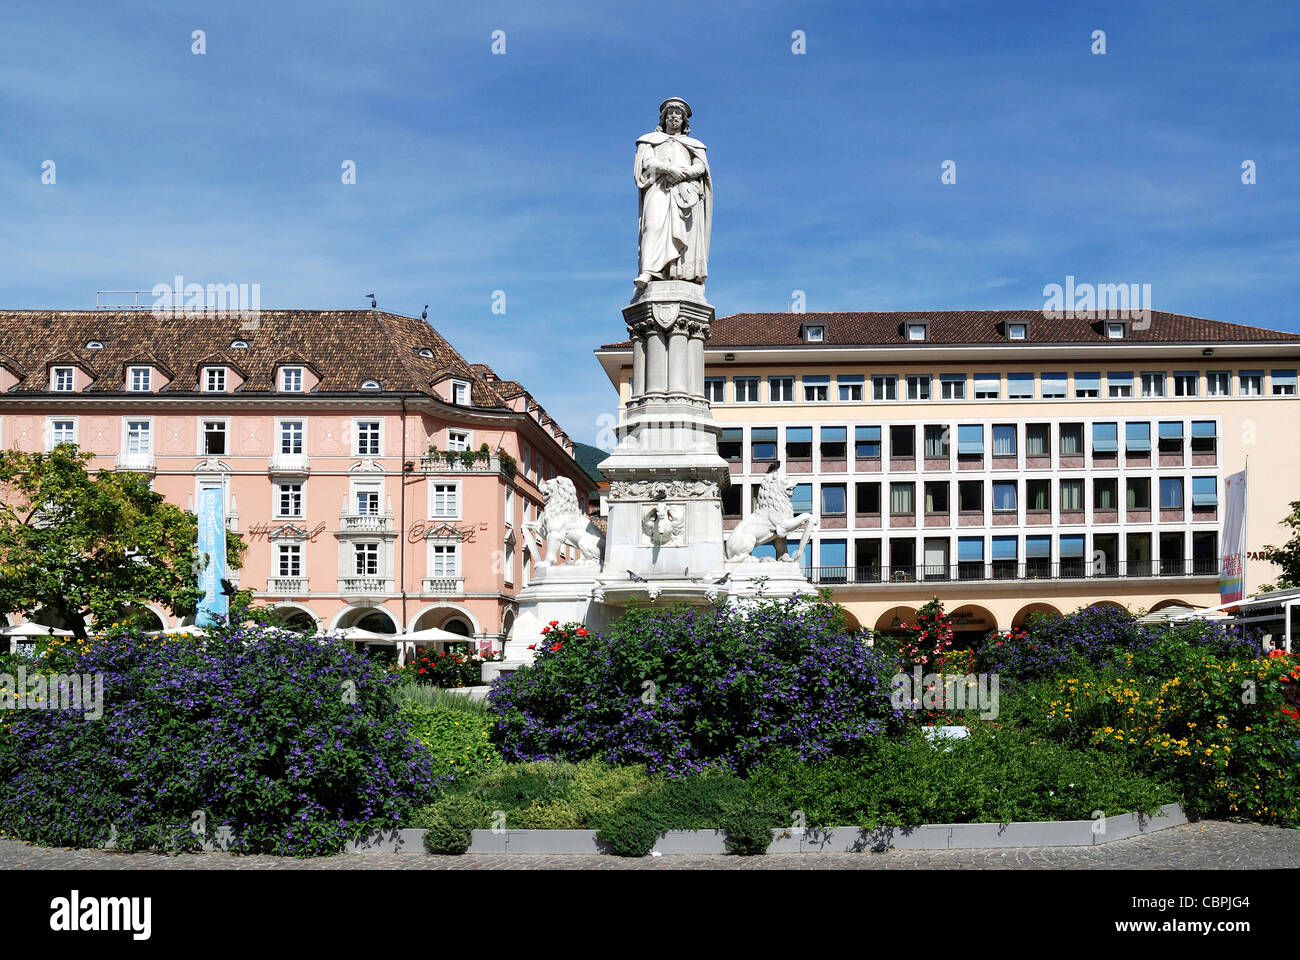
[(748, 831), (1221, 728), (449, 822), (701, 802), (459, 741), (993, 776)]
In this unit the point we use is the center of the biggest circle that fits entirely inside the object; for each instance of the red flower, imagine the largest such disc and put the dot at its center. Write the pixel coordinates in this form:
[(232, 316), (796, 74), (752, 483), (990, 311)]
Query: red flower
[(582, 631), (545, 630), (555, 623), (532, 646), (422, 669), (557, 646)]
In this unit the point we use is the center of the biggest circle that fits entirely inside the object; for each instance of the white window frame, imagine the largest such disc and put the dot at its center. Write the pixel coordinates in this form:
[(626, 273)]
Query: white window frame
[(135, 376), (214, 373), (1256, 379), (50, 443), (276, 500), (814, 333), (509, 505), (911, 329), (507, 561), (952, 389), (57, 375), (1214, 379), (279, 435), (126, 434), (356, 436), (1012, 329), (459, 392), (716, 385), (880, 381), (203, 435), (285, 550), (743, 396), (921, 382), (443, 548), (367, 486), (1183, 376), (457, 493), (1114, 331), (784, 381), (296, 383), (469, 438), (1149, 380), (359, 550), (816, 392)]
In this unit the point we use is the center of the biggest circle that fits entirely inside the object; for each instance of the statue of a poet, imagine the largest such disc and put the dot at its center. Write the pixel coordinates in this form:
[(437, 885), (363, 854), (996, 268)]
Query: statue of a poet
[(676, 199)]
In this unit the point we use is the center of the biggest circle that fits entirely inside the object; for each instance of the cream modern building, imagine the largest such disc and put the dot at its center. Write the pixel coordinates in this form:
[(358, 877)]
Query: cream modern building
[(1005, 461)]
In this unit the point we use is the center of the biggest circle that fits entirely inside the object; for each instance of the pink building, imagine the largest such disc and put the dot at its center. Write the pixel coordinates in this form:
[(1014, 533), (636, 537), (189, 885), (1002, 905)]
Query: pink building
[(379, 480)]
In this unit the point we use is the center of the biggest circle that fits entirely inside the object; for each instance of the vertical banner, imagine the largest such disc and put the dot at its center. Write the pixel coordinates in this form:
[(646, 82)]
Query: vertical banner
[(212, 541), (1233, 554)]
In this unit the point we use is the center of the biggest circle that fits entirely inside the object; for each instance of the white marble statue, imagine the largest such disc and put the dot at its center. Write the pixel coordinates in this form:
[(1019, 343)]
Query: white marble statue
[(676, 199), (563, 522), (772, 521)]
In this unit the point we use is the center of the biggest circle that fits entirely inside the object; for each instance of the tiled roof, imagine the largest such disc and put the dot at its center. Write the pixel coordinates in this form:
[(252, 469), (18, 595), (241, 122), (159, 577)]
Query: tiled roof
[(345, 347), (954, 327)]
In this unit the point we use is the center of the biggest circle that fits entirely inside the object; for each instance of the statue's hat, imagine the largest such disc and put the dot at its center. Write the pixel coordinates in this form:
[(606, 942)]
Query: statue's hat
[(685, 106)]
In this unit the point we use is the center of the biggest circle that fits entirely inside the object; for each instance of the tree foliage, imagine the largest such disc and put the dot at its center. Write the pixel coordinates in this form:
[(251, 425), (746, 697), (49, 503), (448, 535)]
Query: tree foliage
[(1287, 556), (93, 545)]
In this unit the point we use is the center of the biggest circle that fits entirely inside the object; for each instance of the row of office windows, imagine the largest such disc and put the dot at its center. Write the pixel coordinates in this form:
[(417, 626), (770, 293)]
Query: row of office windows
[(1108, 551), (366, 560), (1004, 496), (215, 434), (856, 388), (1003, 440)]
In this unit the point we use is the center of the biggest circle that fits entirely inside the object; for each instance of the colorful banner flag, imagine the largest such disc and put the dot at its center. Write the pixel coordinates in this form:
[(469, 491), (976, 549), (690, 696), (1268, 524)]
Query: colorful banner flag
[(1233, 554), (212, 541)]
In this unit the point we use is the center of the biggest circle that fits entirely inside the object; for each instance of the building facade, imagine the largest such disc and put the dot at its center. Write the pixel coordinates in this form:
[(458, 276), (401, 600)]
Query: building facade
[(379, 480), (1005, 461)]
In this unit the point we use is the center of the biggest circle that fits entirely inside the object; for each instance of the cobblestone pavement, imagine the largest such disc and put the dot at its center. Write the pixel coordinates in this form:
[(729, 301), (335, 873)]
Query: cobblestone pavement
[(1212, 845)]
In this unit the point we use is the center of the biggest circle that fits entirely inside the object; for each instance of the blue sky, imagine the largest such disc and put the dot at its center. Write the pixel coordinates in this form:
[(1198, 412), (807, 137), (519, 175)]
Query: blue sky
[(479, 172)]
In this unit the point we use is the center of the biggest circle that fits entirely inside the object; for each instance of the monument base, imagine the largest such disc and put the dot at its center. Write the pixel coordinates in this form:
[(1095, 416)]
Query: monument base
[(751, 579)]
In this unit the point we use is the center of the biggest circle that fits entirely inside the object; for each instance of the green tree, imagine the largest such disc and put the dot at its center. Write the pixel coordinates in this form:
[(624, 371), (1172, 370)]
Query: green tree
[(84, 545), (1288, 556)]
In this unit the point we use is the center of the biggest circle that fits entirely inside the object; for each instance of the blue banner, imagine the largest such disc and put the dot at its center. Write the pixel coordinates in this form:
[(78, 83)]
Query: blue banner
[(212, 542)]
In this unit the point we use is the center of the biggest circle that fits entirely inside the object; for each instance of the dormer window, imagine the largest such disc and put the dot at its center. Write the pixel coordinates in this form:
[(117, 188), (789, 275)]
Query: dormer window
[(460, 392), (370, 385), (1017, 331), (814, 333), (214, 380), (291, 379), (61, 380), (95, 345), (918, 331), (1114, 331), (426, 353), (140, 379), (238, 344)]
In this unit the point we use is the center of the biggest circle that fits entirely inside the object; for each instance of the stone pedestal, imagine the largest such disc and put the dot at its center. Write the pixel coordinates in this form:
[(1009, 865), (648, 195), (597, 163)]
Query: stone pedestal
[(665, 477), (664, 541)]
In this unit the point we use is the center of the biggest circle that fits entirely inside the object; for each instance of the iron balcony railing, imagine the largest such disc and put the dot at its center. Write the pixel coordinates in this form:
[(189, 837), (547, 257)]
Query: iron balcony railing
[(979, 570)]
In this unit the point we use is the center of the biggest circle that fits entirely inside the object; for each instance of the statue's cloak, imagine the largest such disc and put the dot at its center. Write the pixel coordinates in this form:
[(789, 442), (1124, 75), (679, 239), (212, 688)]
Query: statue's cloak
[(676, 221)]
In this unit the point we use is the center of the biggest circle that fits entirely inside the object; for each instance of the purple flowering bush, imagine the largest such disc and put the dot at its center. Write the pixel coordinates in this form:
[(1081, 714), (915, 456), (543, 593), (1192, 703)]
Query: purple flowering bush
[(682, 690), (273, 741), (1099, 638)]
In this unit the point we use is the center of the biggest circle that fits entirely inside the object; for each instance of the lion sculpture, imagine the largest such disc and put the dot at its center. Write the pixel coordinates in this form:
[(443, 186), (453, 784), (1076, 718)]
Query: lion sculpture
[(772, 521), (562, 522)]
